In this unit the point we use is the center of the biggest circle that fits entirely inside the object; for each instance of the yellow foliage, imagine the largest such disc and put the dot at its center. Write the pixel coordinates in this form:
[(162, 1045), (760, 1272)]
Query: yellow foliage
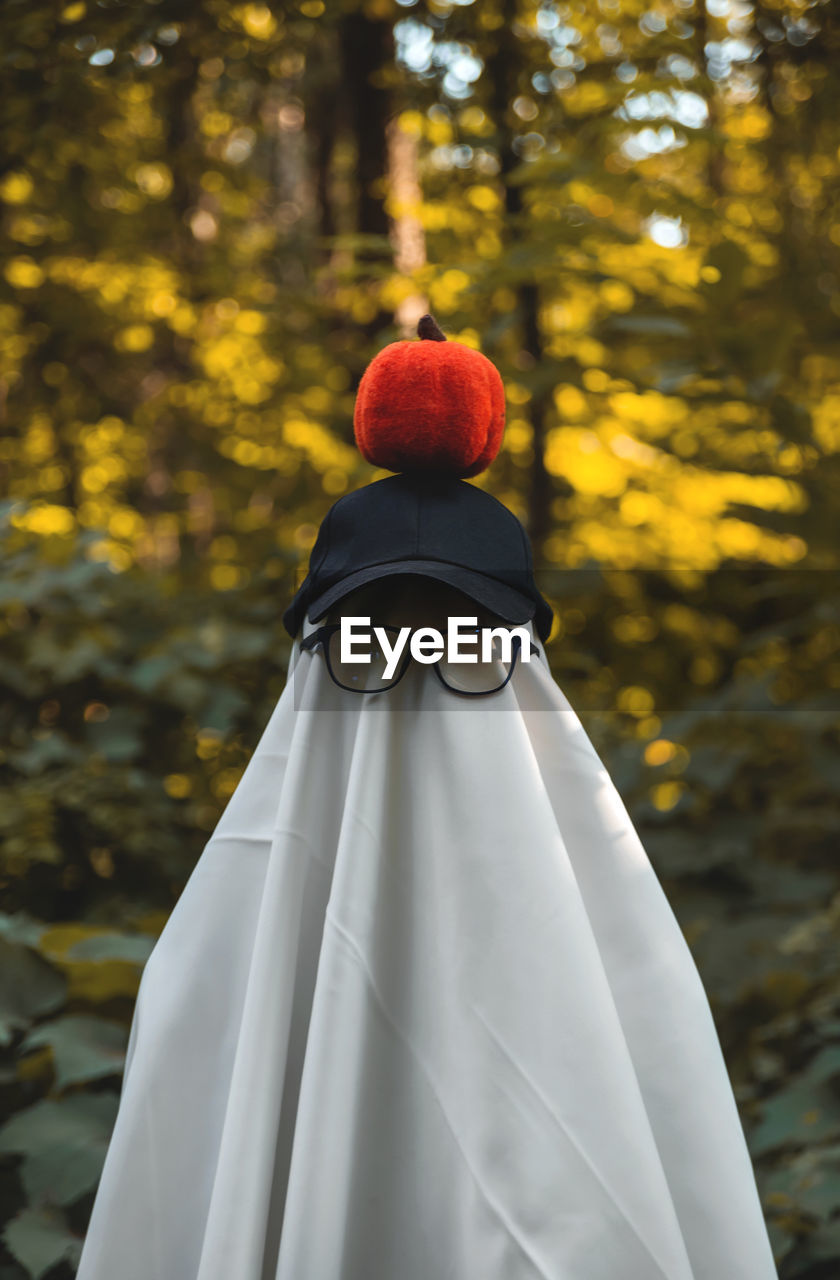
[(337, 378), (103, 435), (319, 445), (579, 456), (586, 96), (590, 351), (92, 514), (249, 390), (334, 481), (208, 744), (764, 254), (655, 412), (177, 785), (638, 507), (739, 212), (212, 180), (749, 122), (125, 522), (438, 130), (16, 187), (412, 123), (221, 356), (135, 337), (519, 434), (469, 338), (162, 303), (225, 782), (154, 180), (736, 537), (39, 441), (595, 379), (23, 272), (660, 751), (442, 216), (627, 447), (666, 794), (118, 557), (98, 475), (258, 20), (183, 319), (680, 619), (617, 295), (250, 322), (826, 420), (634, 628), (772, 493), (483, 198), (444, 292), (223, 547), (215, 123), (474, 120), (45, 518), (517, 393), (570, 401), (488, 244), (635, 701), (396, 288), (503, 299)]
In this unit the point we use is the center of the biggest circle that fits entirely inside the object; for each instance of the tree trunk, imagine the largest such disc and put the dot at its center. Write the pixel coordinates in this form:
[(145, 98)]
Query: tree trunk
[(407, 236), (366, 50), (503, 74)]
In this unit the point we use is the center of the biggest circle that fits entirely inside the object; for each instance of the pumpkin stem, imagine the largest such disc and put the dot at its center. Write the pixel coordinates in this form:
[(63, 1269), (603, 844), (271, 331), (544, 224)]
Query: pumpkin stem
[(428, 327)]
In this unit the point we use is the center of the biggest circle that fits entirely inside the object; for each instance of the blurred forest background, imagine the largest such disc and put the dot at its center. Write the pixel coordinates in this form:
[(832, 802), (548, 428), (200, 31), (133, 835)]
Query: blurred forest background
[(212, 216)]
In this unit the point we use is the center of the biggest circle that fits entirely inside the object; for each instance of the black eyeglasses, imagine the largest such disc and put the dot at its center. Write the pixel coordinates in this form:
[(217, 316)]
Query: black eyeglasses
[(472, 679)]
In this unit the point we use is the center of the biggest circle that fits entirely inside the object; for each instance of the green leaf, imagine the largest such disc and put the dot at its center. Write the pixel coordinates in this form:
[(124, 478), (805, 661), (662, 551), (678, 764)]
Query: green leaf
[(39, 1239), (222, 708), (120, 737), (53, 748), (136, 947), (809, 1181), (29, 988), (21, 927), (84, 1047), (823, 1245), (63, 1142), (658, 326), (715, 766), (149, 673), (807, 1111)]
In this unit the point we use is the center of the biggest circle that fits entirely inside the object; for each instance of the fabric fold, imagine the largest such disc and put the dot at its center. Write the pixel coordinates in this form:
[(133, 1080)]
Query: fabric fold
[(423, 1009)]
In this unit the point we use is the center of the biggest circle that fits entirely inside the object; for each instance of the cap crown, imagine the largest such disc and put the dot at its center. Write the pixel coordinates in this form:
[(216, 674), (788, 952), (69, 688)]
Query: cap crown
[(404, 519)]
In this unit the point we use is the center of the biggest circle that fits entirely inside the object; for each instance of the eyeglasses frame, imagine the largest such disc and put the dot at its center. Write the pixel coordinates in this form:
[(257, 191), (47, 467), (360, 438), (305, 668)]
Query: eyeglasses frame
[(324, 634)]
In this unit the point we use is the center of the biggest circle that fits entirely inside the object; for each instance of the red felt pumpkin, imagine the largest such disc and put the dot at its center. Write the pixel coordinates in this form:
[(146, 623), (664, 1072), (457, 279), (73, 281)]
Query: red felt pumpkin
[(430, 405)]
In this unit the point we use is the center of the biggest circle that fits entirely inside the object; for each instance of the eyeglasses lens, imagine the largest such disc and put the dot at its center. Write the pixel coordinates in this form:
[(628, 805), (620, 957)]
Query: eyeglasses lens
[(484, 676), (366, 677)]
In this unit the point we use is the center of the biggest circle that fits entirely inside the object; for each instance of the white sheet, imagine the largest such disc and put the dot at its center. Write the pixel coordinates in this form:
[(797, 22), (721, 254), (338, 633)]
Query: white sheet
[(423, 1012)]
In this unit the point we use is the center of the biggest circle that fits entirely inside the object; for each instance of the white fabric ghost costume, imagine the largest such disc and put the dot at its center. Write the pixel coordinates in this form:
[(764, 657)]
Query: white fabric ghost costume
[(423, 1012)]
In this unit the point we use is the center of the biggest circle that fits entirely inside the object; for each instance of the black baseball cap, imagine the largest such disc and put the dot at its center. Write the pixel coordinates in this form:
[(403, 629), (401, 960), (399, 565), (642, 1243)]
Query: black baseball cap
[(432, 526)]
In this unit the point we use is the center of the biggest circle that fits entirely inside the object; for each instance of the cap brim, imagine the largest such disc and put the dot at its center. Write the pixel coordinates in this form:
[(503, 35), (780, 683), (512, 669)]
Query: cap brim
[(506, 602)]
